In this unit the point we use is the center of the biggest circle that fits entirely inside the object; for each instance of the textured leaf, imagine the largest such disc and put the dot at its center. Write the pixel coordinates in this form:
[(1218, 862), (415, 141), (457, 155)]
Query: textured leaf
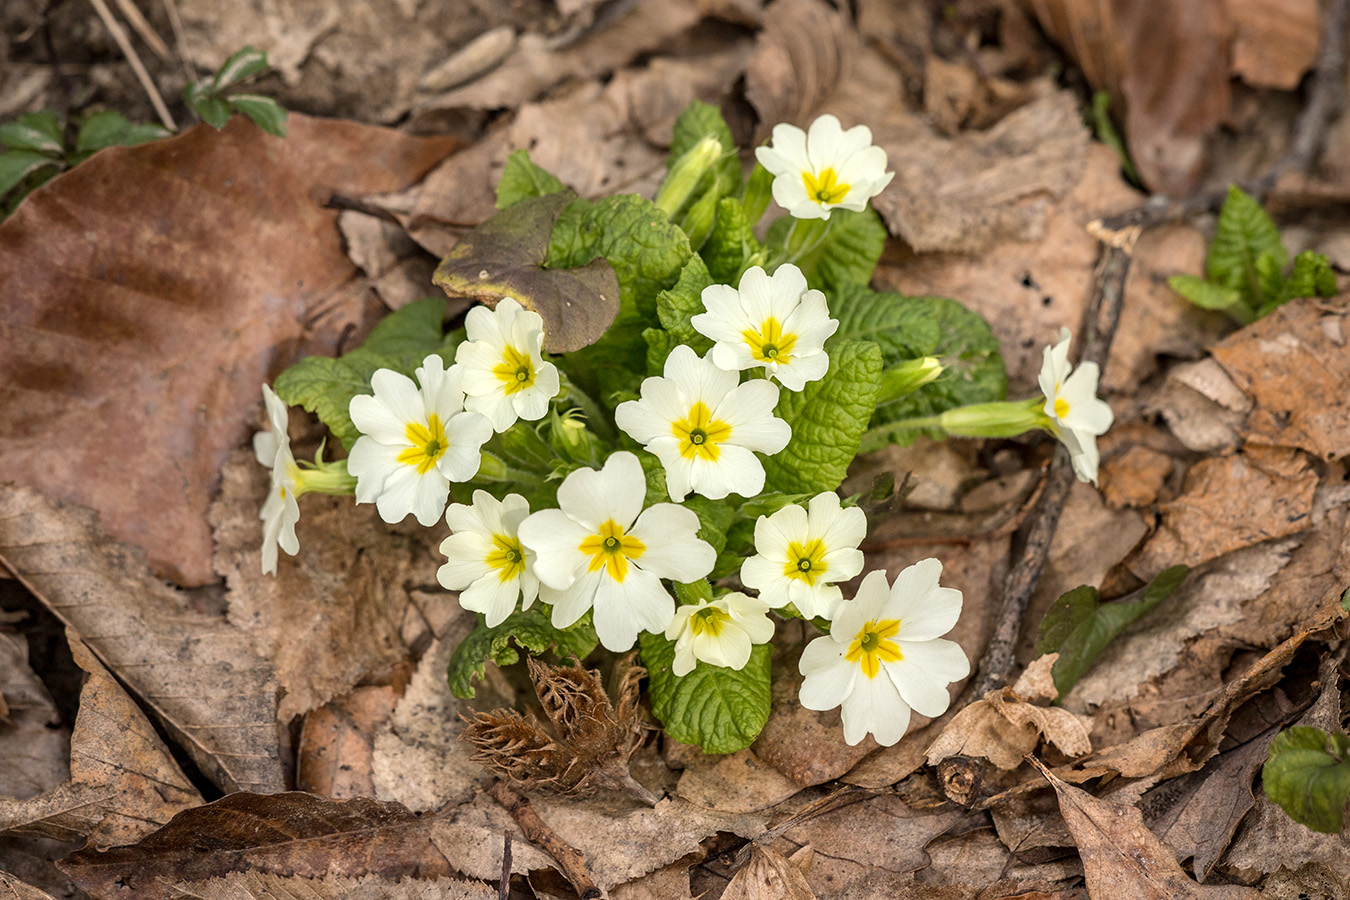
[(847, 255), (522, 179), (697, 121), (577, 297), (253, 886), (528, 629), (266, 113), (1244, 232), (731, 248), (1311, 276), (1079, 627), (676, 306), (719, 709), (828, 419), (37, 131), (1308, 775), (903, 327), (242, 63)]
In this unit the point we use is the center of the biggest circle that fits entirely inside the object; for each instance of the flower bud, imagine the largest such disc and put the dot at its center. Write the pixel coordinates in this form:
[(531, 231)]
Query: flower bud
[(686, 173), (908, 377)]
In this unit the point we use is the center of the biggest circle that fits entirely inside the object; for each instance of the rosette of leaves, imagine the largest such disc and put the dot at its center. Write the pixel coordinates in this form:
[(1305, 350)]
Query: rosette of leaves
[(214, 100), (591, 741)]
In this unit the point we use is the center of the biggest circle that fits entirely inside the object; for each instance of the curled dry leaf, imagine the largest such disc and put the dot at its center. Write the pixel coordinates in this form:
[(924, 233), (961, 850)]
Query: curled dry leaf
[(216, 697), (1122, 858), (256, 886), (17, 890), (1275, 41), (595, 736), (800, 57), (132, 336), (123, 782), (769, 875)]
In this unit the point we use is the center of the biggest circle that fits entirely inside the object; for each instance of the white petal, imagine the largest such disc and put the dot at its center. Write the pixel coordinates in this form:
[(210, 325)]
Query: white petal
[(923, 673), (371, 464), (622, 610), (736, 471), (640, 421), (824, 140), (820, 600), (571, 604), (466, 554), (494, 598), (749, 411), (757, 295), (766, 577), (554, 537), (615, 492), (874, 706), (774, 533), (829, 677), (866, 606), (673, 548)]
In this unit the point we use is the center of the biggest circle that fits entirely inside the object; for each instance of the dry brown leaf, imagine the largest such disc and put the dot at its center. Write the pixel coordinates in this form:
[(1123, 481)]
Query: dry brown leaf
[(203, 681), (1122, 858), (769, 875), (1229, 503), (978, 858), (277, 834), (333, 615), (1135, 478), (1294, 364), (670, 883), (802, 54), (14, 889), (963, 194), (34, 746), (737, 782), (1275, 41), (256, 886), (123, 782), (335, 756), (1090, 540), (129, 312)]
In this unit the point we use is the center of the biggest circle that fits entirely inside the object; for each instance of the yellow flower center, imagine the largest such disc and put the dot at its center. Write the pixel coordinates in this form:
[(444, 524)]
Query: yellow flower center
[(769, 344), (515, 371), (700, 434), (610, 549), (825, 187), (428, 444), (873, 646), (805, 562), (710, 620), (1061, 407), (507, 557)]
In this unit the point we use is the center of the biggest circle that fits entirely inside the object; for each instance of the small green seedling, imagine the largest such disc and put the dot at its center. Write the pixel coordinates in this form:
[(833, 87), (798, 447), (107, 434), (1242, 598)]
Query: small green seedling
[(209, 100), (1308, 775)]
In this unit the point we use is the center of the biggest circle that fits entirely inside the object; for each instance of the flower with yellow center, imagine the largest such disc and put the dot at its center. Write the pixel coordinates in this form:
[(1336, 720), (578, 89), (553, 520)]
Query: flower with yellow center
[(705, 427), (486, 561), (801, 553), (824, 168), (415, 439), (505, 375), (1077, 416), (884, 656), (718, 632), (601, 551), (773, 322)]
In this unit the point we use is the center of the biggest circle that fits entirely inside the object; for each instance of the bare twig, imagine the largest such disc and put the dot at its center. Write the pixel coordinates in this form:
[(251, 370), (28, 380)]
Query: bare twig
[(134, 59), (570, 858), (132, 13), (504, 886)]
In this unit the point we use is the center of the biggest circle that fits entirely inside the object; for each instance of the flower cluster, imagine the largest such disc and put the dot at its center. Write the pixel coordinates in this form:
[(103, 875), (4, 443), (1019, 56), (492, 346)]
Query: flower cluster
[(600, 499)]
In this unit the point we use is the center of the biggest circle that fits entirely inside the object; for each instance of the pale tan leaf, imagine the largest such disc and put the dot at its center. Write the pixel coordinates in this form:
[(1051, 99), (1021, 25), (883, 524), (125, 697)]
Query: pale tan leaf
[(768, 876), (263, 886), (34, 749)]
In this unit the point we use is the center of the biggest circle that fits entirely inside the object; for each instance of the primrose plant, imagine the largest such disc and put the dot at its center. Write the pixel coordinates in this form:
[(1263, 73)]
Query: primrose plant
[(646, 420)]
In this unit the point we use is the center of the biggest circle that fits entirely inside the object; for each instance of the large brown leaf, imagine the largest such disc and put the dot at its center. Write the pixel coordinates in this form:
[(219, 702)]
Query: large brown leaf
[(277, 834), (217, 698), (151, 289)]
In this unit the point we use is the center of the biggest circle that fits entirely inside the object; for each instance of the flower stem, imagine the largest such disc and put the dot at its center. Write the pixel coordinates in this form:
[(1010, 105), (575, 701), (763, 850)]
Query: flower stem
[(594, 417)]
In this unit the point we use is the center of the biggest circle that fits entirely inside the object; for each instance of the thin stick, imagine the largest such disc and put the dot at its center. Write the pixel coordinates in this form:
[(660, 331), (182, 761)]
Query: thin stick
[(134, 59), (504, 886), (570, 858), (138, 24), (179, 37)]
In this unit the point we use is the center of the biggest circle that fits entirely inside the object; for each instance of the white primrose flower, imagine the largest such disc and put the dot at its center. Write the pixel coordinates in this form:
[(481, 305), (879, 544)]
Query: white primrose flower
[(600, 550), (718, 632), (1076, 414), (280, 512), (770, 321), (825, 167), (801, 553), (415, 439), (883, 656), (704, 427), (505, 376), (487, 564)]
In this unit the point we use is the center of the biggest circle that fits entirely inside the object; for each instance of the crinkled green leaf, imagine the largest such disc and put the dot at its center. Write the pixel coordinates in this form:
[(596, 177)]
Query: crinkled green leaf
[(1308, 775), (848, 254), (528, 630), (266, 113), (1078, 626), (903, 327), (109, 128), (16, 165), (828, 419), (680, 303), (1311, 276), (1243, 233), (714, 518), (719, 709), (37, 131), (1206, 294), (758, 193), (699, 120), (659, 344), (577, 296), (522, 179), (973, 370), (401, 341), (732, 247), (242, 64)]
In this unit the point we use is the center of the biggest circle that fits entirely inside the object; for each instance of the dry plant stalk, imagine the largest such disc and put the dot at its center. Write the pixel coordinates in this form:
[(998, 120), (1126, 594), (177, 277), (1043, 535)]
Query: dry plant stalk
[(595, 736)]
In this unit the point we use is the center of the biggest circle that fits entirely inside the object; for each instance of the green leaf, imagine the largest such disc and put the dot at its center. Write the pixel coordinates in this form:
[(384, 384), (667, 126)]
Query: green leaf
[(1308, 774), (505, 256), (659, 344), (973, 370), (1107, 134), (212, 110), (847, 255), (1078, 626), (680, 303), (241, 64), (16, 165), (401, 341), (732, 247), (719, 709), (714, 517), (699, 120), (1244, 232), (108, 128), (528, 630), (39, 132), (828, 419), (522, 179), (1206, 294), (1312, 276), (758, 193), (903, 327), (266, 113)]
